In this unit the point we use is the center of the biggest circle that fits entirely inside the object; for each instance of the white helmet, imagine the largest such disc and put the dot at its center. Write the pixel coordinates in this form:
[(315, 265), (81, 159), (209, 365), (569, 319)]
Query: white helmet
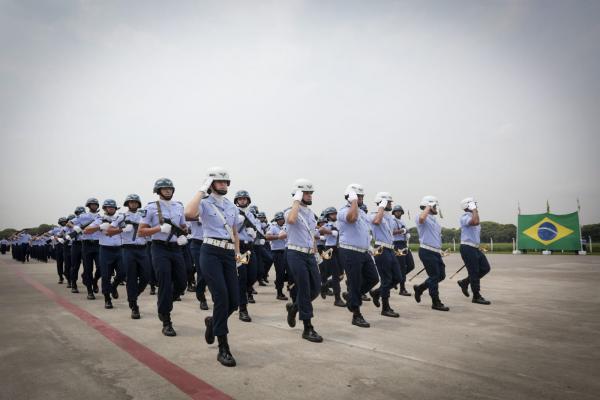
[(464, 204), (429, 201), (381, 196), (218, 174), (304, 185), (357, 187)]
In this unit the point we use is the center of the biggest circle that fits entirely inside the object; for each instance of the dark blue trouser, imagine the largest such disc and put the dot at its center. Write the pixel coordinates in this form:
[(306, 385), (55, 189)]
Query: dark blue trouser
[(477, 265), (169, 267), (137, 267), (333, 269), (281, 275), (246, 273), (389, 271), (189, 262), (67, 261), (110, 260), (407, 263), (361, 275), (90, 254), (76, 253), (152, 272), (435, 268), (264, 261), (307, 281), (195, 249), (60, 260), (219, 270)]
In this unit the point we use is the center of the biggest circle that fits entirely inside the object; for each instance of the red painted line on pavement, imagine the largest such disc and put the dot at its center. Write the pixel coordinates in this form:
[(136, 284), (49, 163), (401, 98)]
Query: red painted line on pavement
[(186, 382)]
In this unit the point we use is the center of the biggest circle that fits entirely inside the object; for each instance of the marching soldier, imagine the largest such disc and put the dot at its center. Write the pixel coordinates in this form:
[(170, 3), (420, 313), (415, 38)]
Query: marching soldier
[(218, 255), (277, 235), (134, 257), (474, 259), (406, 261), (301, 253), (58, 248), (430, 252), (331, 266), (89, 250), (385, 256), (67, 244), (355, 240), (109, 252), (247, 234), (164, 221)]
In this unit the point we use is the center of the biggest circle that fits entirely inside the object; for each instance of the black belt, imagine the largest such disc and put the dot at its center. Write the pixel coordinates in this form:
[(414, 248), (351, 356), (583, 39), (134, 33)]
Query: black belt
[(198, 241), (170, 245), (133, 246), (277, 251), (90, 241), (109, 247)]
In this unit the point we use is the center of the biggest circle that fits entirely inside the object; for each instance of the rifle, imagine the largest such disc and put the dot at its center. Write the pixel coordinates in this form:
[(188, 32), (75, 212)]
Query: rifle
[(136, 225), (175, 229), (248, 224)]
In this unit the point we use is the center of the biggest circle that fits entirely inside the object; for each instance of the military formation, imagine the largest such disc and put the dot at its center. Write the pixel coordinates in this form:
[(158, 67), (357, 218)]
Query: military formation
[(226, 248)]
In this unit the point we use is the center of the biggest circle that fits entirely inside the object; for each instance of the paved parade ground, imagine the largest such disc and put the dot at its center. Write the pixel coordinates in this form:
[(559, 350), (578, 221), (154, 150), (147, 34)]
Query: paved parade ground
[(538, 340)]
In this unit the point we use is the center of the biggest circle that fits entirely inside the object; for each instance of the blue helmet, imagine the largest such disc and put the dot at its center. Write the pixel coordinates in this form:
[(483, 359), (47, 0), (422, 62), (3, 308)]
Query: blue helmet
[(71, 217), (79, 210), (278, 215), (163, 183), (109, 203), (329, 210), (62, 221), (92, 200), (132, 197), (253, 210), (398, 207), (242, 193), (261, 215)]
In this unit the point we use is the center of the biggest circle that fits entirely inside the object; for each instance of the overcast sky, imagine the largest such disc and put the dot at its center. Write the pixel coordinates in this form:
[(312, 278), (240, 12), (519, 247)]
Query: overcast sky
[(495, 99)]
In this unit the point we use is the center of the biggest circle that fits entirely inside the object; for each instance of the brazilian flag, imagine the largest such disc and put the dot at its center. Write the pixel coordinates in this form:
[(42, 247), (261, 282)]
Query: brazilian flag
[(549, 232)]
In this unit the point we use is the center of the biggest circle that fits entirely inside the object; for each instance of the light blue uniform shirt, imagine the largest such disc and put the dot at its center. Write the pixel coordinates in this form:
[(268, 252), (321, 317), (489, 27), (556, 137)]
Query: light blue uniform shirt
[(430, 232), (24, 238), (302, 232), (82, 220), (197, 231), (398, 224), (275, 229), (106, 240), (355, 234), (122, 220), (331, 240), (244, 236), (469, 233), (172, 210), (384, 231), (212, 223)]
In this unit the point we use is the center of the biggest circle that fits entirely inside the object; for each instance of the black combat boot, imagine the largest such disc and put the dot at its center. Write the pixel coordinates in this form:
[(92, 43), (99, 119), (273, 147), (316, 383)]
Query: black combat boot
[(309, 333), (437, 304), (209, 335), (403, 291), (376, 295), (387, 311), (167, 329), (292, 310), (244, 316), (135, 310), (478, 299), (224, 356), (338, 301), (107, 302), (281, 296), (358, 320), (464, 286), (419, 289)]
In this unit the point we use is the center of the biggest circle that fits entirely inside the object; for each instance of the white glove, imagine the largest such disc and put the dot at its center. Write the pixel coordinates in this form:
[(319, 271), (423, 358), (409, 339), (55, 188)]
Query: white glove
[(77, 229), (471, 206), (352, 196), (261, 242), (321, 237), (383, 204), (165, 228), (206, 184), (251, 232), (104, 226), (282, 235), (241, 219), (432, 204), (60, 240), (298, 195), (407, 235), (182, 240), (334, 233), (128, 228)]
